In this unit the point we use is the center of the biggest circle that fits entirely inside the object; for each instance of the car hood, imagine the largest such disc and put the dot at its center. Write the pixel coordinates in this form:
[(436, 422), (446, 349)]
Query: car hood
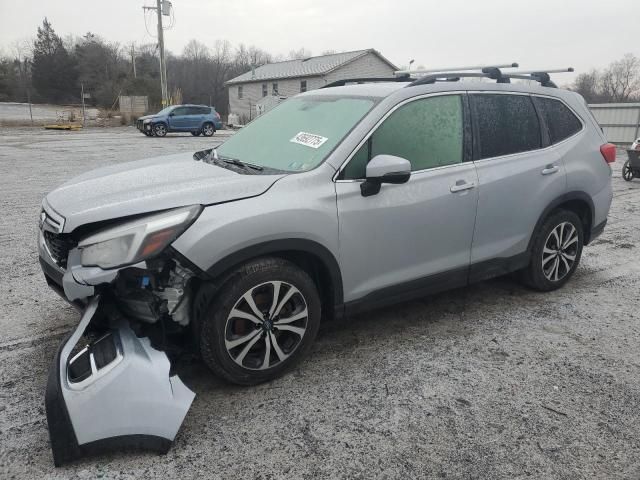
[(147, 117), (151, 185)]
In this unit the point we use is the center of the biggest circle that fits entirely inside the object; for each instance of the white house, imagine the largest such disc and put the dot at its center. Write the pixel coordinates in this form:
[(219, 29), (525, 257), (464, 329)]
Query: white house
[(284, 79)]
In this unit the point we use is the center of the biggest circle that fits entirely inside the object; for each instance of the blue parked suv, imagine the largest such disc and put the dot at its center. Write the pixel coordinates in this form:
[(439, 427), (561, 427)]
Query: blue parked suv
[(197, 119)]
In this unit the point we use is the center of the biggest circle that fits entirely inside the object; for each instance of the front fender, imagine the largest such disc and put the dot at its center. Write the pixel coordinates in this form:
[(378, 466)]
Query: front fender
[(297, 213)]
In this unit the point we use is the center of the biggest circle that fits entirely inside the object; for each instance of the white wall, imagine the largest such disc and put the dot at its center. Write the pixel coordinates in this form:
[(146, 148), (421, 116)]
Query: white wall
[(369, 65), (620, 121), (252, 93)]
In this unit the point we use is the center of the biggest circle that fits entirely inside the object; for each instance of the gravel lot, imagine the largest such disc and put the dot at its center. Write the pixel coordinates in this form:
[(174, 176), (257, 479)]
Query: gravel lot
[(490, 381)]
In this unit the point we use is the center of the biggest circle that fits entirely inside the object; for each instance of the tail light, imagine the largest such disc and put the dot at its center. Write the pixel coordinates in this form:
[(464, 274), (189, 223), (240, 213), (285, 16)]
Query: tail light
[(218, 115), (608, 151)]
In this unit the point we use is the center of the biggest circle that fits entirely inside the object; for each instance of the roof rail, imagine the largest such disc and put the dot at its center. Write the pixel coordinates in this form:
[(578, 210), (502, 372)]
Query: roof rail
[(492, 72), (455, 69), (342, 83)]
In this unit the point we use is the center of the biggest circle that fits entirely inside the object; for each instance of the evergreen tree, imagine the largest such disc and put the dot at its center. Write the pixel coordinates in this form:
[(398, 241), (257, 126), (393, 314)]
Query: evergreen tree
[(54, 75)]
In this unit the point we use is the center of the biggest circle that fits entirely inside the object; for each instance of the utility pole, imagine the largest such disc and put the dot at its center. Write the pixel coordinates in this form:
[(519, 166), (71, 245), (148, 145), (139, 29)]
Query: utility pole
[(82, 95), (163, 65), (133, 59)]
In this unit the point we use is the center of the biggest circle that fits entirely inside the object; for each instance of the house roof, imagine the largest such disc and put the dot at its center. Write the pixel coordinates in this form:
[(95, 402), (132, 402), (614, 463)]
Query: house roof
[(308, 67)]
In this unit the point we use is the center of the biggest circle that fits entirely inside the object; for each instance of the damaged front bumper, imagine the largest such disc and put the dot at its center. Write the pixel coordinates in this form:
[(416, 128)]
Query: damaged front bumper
[(116, 392), (108, 387)]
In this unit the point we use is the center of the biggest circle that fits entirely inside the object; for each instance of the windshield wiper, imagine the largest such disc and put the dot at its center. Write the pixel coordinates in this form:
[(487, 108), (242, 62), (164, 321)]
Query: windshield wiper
[(239, 163)]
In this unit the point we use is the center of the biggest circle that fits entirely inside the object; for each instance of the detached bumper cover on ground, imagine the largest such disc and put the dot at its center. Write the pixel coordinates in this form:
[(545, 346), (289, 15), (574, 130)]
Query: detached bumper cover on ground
[(115, 393)]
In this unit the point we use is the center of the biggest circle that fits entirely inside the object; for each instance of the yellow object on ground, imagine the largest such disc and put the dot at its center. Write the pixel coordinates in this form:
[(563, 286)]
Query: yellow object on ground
[(67, 126)]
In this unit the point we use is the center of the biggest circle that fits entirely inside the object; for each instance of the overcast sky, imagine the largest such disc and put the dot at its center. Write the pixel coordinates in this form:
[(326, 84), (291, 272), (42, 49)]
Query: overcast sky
[(537, 33)]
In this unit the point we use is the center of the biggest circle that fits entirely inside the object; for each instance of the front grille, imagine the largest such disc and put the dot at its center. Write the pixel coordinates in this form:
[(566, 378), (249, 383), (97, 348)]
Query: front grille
[(59, 246)]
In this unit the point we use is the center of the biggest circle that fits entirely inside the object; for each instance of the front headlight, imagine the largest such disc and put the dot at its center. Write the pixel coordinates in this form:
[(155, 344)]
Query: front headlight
[(136, 240), (148, 120)]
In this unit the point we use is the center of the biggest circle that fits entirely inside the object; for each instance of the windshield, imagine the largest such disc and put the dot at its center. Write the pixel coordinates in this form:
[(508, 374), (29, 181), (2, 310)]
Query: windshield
[(165, 111), (298, 134)]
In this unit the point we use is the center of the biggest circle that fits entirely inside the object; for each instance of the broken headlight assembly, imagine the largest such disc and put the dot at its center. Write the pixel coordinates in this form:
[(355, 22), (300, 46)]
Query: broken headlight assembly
[(136, 240)]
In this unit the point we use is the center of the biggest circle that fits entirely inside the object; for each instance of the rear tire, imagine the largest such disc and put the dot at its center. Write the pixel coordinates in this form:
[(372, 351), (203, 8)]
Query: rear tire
[(556, 251), (627, 172), (208, 129), (250, 344)]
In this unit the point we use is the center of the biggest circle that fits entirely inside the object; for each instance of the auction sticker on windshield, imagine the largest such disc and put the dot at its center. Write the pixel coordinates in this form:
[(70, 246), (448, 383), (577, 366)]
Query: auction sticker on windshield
[(309, 139)]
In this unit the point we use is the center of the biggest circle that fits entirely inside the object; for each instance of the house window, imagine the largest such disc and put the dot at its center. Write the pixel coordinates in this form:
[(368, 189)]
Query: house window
[(240, 91), (264, 90), (274, 88), (303, 86)]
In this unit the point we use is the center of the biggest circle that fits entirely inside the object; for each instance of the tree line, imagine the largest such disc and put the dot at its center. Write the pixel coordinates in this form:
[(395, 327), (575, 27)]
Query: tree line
[(52, 69), (618, 83)]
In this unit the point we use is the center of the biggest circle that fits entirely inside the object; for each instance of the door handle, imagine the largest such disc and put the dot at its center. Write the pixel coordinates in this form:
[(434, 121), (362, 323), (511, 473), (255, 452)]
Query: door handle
[(549, 169), (459, 187)]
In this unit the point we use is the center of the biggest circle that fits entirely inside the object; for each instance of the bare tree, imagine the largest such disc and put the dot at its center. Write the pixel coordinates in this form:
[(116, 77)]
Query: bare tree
[(299, 54), (196, 51), (621, 80), (588, 85)]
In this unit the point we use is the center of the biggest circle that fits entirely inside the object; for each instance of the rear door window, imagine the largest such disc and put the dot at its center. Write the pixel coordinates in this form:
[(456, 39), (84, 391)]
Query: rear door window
[(427, 132), (504, 124), (561, 122)]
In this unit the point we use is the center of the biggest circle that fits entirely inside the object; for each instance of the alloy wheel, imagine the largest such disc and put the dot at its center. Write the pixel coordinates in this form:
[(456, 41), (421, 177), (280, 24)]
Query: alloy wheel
[(266, 325), (560, 251), (208, 130), (160, 130)]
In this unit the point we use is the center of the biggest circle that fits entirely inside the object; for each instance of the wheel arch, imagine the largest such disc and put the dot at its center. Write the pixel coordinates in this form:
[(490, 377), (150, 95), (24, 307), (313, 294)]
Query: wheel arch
[(310, 256), (578, 202)]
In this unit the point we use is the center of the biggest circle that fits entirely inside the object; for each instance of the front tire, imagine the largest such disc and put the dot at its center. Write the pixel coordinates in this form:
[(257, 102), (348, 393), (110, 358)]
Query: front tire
[(556, 251), (627, 172), (159, 129), (261, 322), (208, 129)]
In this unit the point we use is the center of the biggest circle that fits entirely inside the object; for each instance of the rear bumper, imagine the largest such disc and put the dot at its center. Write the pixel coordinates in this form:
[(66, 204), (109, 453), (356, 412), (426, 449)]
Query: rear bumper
[(115, 393)]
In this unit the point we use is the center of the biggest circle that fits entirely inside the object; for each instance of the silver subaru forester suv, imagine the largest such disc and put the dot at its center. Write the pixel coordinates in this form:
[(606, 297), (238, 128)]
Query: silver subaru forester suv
[(337, 201)]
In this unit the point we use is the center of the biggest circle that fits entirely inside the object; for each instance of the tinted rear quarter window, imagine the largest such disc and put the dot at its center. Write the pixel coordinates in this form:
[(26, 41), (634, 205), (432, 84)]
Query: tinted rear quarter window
[(561, 121), (505, 124)]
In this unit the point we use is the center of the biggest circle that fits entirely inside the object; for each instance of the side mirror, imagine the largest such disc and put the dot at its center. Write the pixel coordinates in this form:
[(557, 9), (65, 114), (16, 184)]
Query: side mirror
[(385, 169), (172, 114)]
